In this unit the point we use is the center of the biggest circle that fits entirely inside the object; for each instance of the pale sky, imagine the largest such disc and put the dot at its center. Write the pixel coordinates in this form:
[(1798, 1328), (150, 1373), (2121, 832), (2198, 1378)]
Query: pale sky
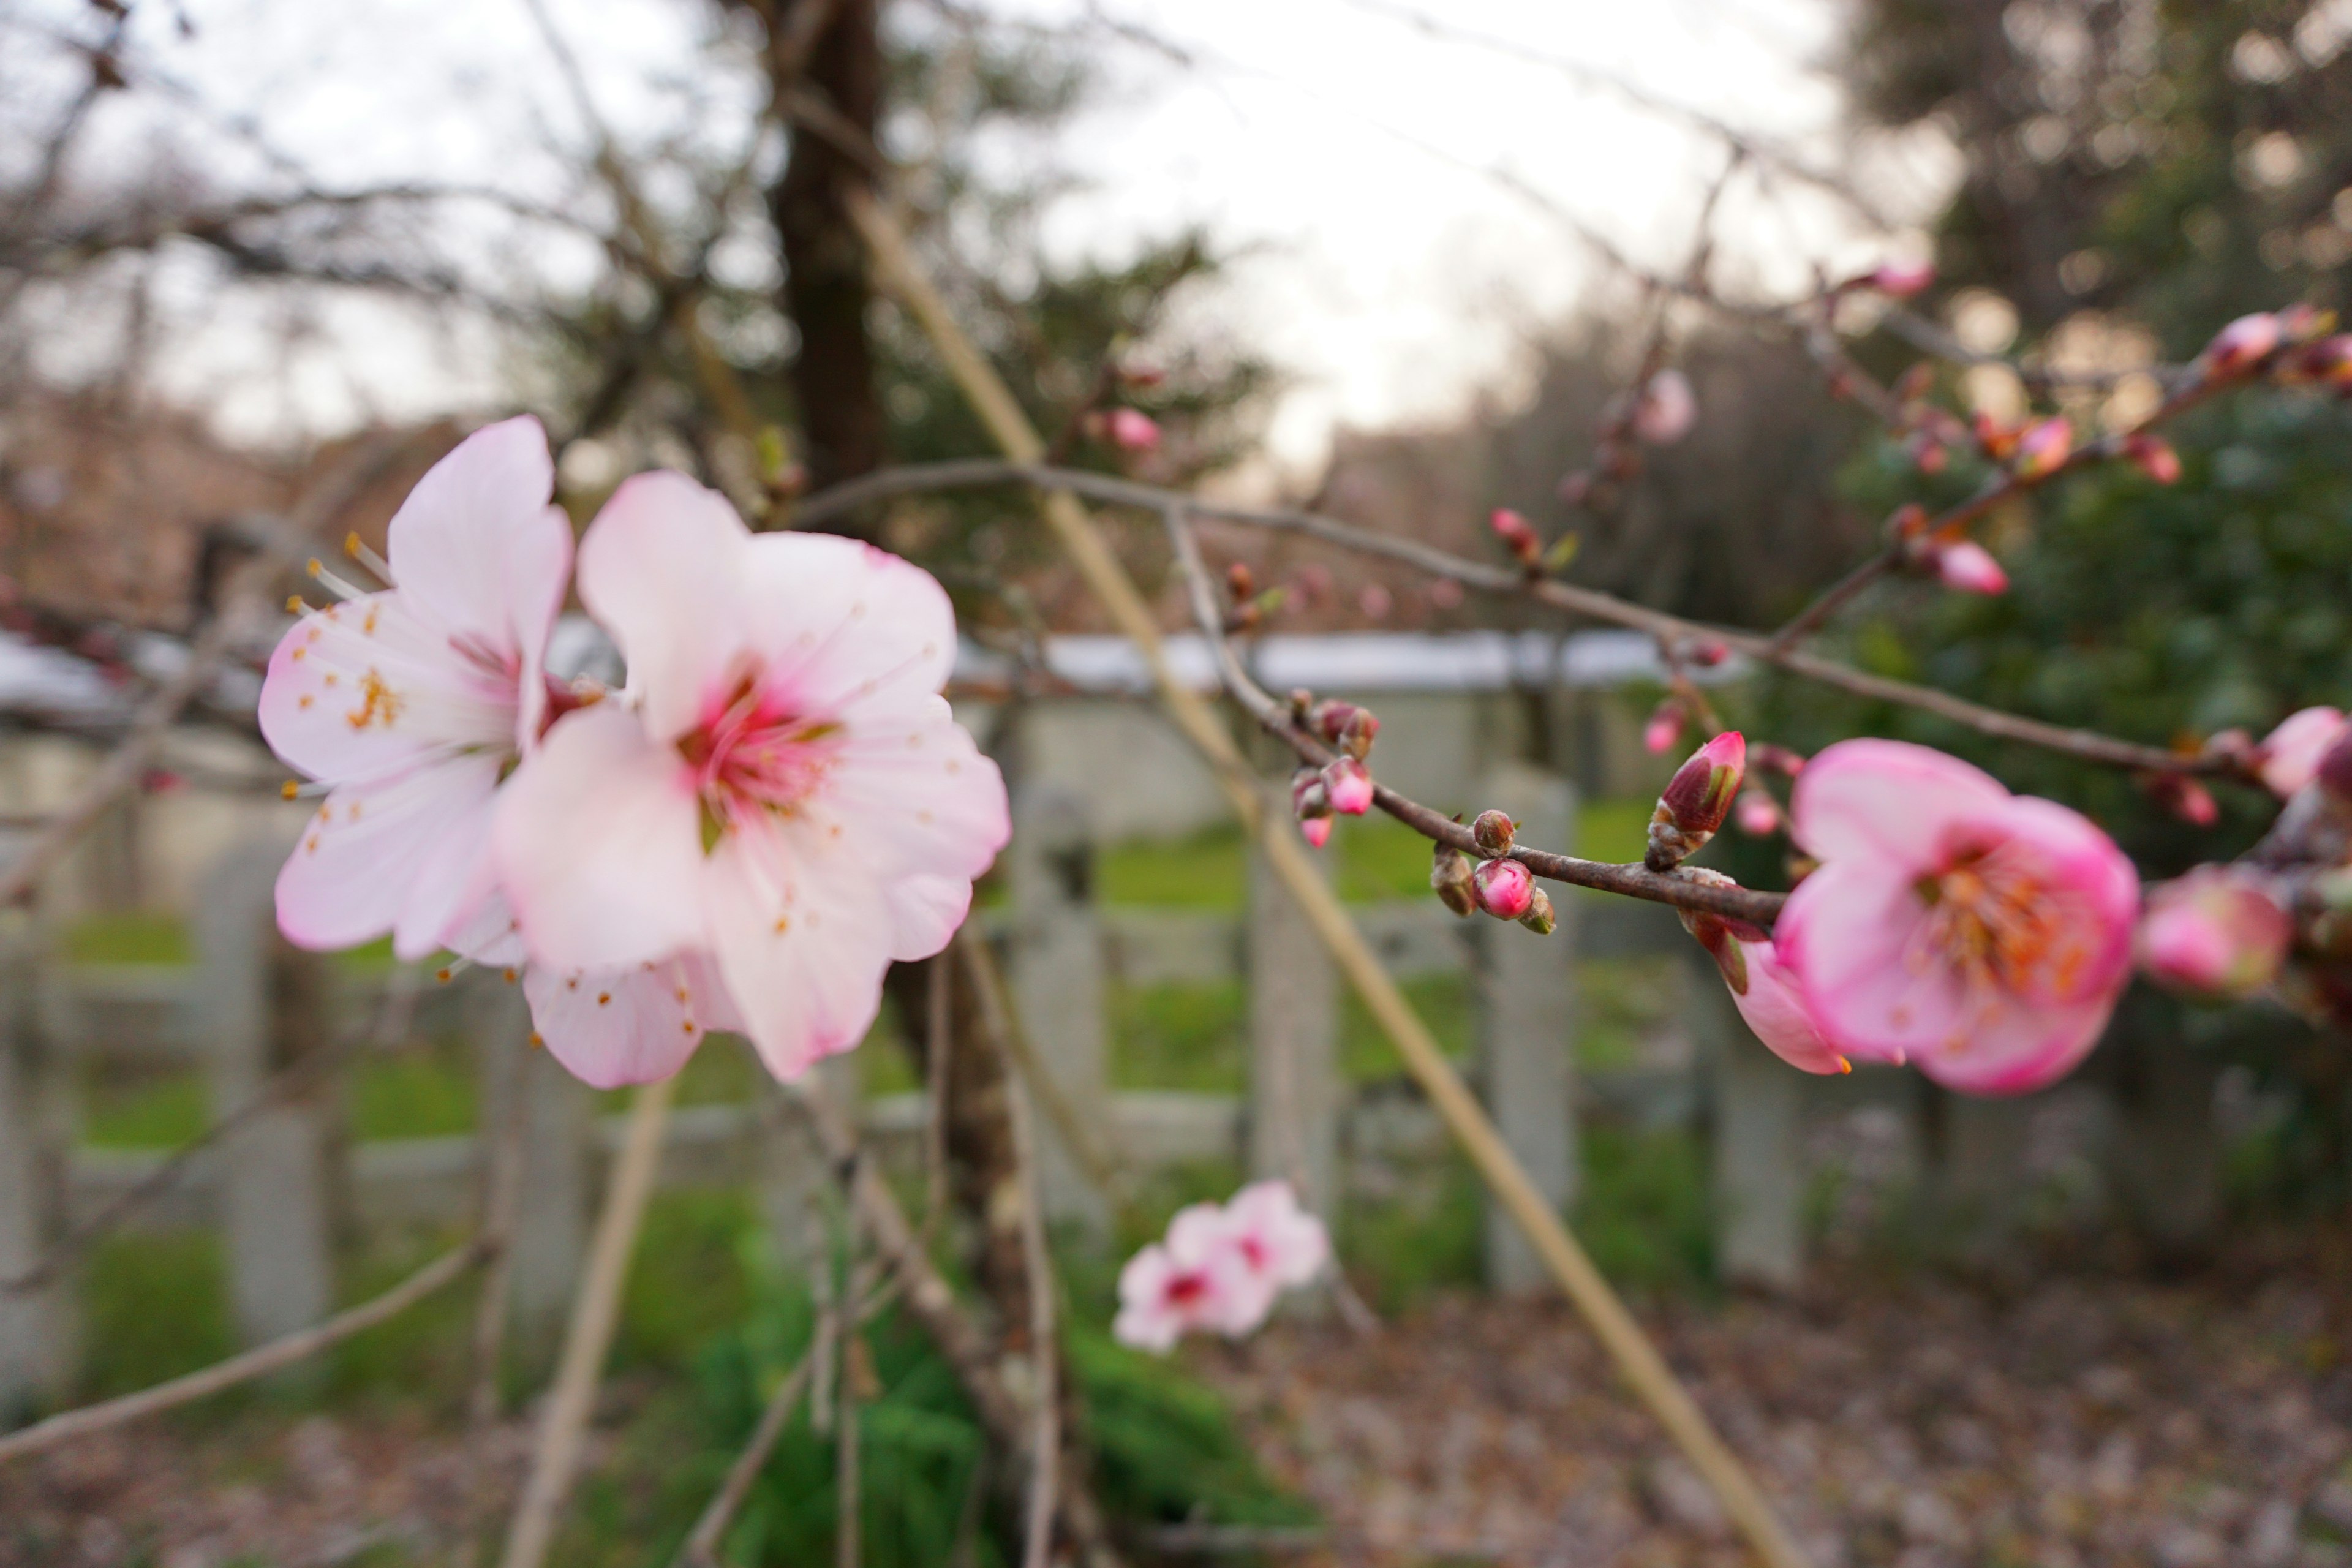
[(1334, 145)]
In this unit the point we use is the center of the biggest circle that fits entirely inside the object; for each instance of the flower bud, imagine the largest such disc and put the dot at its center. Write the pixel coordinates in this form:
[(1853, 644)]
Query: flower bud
[(2242, 344), (1310, 803), (2213, 934), (1451, 877), (1505, 888), (1493, 830), (2289, 756), (1757, 813), (1131, 430), (1695, 801), (1350, 786), (1906, 522), (2154, 455), (2044, 447), (1241, 582), (2329, 361), (1903, 280), (1356, 735), (2335, 767), (1538, 918), (1995, 439), (1664, 727), (1666, 409), (1970, 567), (1516, 533), (1330, 719), (1315, 830), (2185, 799), (1771, 759)]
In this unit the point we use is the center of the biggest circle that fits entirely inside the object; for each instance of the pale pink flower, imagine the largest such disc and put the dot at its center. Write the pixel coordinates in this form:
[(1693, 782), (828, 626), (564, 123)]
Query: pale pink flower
[(1282, 1242), (1663, 727), (1970, 567), (1666, 409), (1315, 830), (1195, 1280), (1902, 279), (1983, 936), (2214, 933), (782, 786), (411, 703), (2291, 753), (2243, 343), (1131, 430)]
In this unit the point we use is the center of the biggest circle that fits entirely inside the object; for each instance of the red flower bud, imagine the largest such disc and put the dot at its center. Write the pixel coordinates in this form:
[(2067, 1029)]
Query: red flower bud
[(2185, 799), (1349, 785), (1970, 567), (1695, 801), (1493, 831), (1664, 726), (2044, 447), (2214, 933), (1902, 279), (1759, 814), (1505, 888), (1516, 533), (1131, 430), (2154, 455)]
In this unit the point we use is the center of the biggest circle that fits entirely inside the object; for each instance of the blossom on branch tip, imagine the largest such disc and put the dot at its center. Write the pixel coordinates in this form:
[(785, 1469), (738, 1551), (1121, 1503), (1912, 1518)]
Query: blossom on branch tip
[(2185, 799), (2042, 446), (2289, 755), (1219, 1267), (2153, 456), (1505, 888), (1310, 803), (780, 787), (1757, 813), (1131, 430), (1695, 801), (2242, 344), (1981, 935), (1666, 408), (1663, 727), (1517, 535), (2213, 934), (1968, 567), (1350, 786), (1538, 916), (1762, 988)]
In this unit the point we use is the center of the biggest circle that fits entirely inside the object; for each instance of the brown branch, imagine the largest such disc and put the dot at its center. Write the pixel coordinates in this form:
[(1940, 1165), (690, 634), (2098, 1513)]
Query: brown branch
[(1590, 604), (259, 1361)]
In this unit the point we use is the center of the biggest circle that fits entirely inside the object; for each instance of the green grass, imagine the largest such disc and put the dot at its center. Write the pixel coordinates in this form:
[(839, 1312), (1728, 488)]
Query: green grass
[(1206, 870), (1446, 1002), (143, 1109), (1619, 1002), (415, 1094), (1644, 1215), (133, 937), (1187, 1037), (155, 1306)]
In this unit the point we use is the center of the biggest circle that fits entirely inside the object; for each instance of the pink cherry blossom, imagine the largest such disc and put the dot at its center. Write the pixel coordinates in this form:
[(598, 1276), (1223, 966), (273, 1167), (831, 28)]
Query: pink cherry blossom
[(1757, 813), (1663, 727), (2243, 343), (1505, 888), (1970, 567), (2291, 753), (635, 1024), (1132, 431), (1982, 935), (1315, 830), (1196, 1280), (410, 703), (2214, 932), (1283, 1244), (780, 787), (1666, 409)]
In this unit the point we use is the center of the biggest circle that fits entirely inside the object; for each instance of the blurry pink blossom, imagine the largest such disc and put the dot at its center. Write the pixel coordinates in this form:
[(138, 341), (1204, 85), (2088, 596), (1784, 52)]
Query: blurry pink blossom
[(1132, 431), (782, 786), (2242, 344), (1349, 783), (1375, 601), (1666, 409), (1198, 1280), (1757, 813), (1283, 1244), (2043, 446), (2290, 754), (1968, 566), (1983, 936), (1315, 830), (1762, 988), (1902, 279), (2154, 455), (1663, 727), (411, 703), (1516, 533), (2214, 933), (1445, 594)]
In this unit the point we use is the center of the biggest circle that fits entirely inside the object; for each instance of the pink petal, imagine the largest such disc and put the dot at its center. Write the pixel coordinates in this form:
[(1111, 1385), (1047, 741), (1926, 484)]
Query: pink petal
[(610, 1027), (452, 879), (1145, 1320), (1889, 799), (357, 865), (598, 846), (1774, 1008), (2291, 753), (2016, 1048), (1850, 934), (662, 568), (925, 914), (857, 624), (908, 786), (802, 938), (478, 549), (1294, 1243), (368, 689), (2094, 881)]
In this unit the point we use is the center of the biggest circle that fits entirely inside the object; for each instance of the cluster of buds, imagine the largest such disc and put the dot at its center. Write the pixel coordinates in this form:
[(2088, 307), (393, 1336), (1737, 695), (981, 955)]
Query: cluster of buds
[(1695, 801), (1249, 605), (1497, 884), (1344, 784), (2299, 345), (2216, 934)]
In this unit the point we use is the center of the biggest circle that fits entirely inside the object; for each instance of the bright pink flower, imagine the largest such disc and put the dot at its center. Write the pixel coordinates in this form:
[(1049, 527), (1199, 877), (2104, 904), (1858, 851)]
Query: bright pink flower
[(1970, 567), (1131, 430), (2214, 933), (1902, 279), (410, 704), (1350, 786), (782, 788), (2043, 446), (1763, 988), (1982, 935), (1196, 1279), (1505, 888), (1283, 1244), (2291, 753), (2243, 343), (1666, 409)]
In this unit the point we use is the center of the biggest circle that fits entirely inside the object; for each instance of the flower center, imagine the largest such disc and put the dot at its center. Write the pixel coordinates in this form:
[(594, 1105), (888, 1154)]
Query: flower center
[(1186, 1288), (753, 757), (1995, 916)]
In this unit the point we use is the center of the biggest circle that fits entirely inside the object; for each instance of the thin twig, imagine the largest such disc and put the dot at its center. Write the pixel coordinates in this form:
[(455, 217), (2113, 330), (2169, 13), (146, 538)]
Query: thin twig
[(596, 1311), (259, 1361), (702, 1548)]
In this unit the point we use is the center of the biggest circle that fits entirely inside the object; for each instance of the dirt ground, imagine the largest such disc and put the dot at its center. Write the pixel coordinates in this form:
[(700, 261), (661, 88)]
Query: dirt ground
[(2076, 1421)]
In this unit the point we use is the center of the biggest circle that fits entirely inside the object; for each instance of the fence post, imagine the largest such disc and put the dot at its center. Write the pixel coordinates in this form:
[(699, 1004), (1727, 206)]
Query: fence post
[(1058, 979), (1755, 1113), (2165, 1160), (266, 1006), (39, 1335), (1527, 1027), (551, 1236), (1294, 1022)]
